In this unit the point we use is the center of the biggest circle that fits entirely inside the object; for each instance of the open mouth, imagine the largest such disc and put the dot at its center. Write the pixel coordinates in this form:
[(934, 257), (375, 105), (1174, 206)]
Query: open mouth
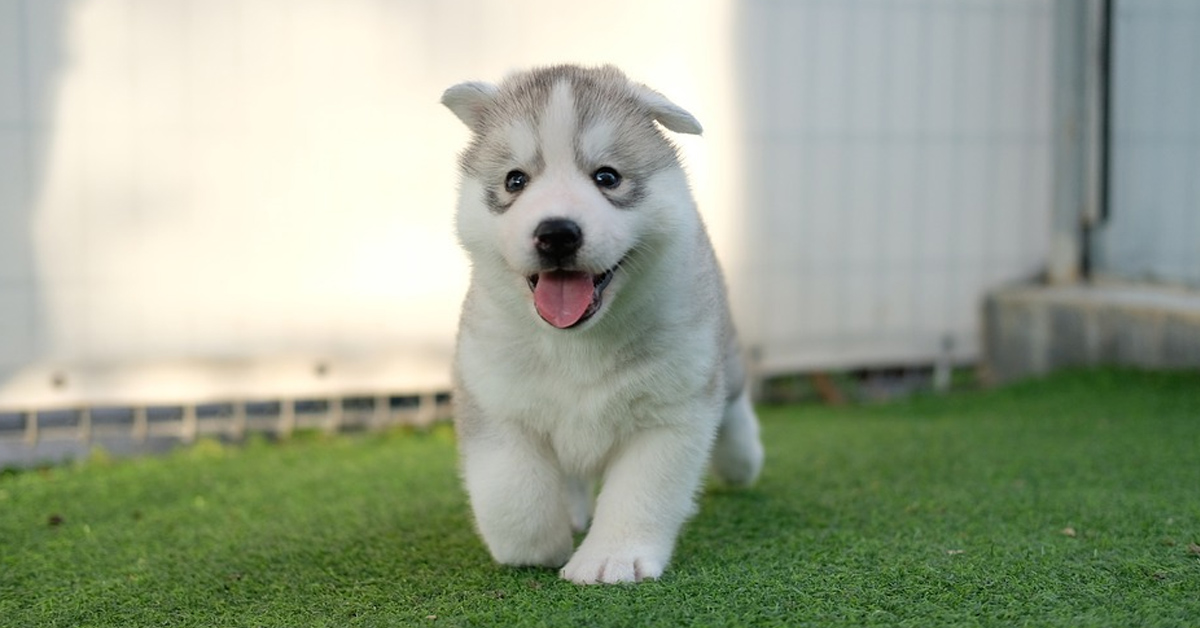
[(566, 298)]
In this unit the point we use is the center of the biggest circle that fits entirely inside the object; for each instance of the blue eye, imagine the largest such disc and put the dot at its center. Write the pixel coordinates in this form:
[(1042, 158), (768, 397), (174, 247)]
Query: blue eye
[(515, 181), (607, 178)]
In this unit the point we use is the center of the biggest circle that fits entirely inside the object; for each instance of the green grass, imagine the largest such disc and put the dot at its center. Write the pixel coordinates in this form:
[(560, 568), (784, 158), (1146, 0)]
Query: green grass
[(1073, 501)]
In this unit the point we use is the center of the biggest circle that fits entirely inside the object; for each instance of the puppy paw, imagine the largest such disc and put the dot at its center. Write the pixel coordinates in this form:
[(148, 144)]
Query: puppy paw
[(611, 567), (532, 555)]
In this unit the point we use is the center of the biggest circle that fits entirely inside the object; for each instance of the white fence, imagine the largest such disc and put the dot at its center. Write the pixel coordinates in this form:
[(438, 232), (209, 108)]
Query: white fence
[(1153, 228), (215, 199), (206, 201), (899, 164)]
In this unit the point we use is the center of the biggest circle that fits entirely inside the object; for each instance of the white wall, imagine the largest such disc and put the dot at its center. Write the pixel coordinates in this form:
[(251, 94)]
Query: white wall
[(1153, 231), (216, 183), (899, 165), (221, 181)]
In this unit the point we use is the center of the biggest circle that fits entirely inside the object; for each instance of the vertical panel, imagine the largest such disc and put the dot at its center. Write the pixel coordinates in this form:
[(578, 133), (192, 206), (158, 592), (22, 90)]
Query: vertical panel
[(925, 142), (12, 88), (15, 264), (16, 273), (1153, 231)]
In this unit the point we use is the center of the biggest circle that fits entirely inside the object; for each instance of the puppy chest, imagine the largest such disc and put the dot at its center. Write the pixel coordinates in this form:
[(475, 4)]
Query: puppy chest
[(581, 426)]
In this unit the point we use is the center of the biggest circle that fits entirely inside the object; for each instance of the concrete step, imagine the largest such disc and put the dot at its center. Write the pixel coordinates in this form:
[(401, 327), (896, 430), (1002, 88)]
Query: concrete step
[(1032, 330)]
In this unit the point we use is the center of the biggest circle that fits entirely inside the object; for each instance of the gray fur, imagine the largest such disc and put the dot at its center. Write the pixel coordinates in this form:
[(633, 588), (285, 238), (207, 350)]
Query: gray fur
[(608, 96)]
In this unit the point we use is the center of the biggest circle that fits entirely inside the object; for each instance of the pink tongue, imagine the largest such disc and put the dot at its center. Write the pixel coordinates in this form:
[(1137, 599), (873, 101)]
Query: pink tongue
[(563, 296)]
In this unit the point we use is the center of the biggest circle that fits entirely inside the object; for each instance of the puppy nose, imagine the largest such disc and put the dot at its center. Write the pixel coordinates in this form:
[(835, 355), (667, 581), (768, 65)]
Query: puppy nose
[(557, 238)]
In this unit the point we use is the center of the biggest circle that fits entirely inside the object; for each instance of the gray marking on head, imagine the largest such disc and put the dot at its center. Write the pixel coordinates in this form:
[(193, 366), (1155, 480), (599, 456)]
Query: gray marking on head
[(494, 204), (637, 149)]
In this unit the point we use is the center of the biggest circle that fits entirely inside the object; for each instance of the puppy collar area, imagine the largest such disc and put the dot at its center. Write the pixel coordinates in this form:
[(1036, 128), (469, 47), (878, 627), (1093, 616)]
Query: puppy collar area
[(566, 298)]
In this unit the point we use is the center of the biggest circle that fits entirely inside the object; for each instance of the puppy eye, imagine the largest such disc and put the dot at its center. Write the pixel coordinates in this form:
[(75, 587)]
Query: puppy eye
[(515, 181), (607, 178)]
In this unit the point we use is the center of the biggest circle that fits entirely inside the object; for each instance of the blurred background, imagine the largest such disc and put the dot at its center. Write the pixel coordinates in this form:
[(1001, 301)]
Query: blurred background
[(204, 203)]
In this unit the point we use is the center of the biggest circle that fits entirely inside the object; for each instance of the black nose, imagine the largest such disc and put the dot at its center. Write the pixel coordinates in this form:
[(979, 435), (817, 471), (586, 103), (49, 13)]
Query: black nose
[(557, 238)]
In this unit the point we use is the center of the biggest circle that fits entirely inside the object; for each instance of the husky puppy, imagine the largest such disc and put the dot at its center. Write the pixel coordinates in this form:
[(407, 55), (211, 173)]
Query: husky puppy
[(595, 343)]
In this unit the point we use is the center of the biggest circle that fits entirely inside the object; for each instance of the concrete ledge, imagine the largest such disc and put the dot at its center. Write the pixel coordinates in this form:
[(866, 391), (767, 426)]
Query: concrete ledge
[(1033, 330)]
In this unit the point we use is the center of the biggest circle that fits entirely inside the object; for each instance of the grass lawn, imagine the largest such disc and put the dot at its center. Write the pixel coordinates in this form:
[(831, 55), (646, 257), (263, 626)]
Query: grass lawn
[(1072, 501)]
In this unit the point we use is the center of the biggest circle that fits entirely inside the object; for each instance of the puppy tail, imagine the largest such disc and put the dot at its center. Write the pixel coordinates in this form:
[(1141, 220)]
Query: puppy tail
[(737, 456)]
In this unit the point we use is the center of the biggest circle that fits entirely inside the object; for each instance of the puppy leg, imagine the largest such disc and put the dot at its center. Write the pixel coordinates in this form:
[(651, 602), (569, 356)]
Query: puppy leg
[(579, 493), (647, 495), (519, 497), (737, 455)]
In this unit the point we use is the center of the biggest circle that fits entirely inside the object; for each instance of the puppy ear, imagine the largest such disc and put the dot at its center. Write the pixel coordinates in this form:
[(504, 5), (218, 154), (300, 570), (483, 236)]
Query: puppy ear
[(667, 113), (469, 100)]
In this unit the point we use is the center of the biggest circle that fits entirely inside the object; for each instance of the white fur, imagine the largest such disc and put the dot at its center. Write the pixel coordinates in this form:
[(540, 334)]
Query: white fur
[(557, 129), (633, 398)]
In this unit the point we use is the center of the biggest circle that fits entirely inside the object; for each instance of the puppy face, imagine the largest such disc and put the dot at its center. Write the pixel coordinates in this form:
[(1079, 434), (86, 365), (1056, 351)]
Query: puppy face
[(559, 183)]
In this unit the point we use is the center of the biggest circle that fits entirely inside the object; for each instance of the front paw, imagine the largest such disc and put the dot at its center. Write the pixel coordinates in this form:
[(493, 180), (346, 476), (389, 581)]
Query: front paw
[(531, 552), (612, 565)]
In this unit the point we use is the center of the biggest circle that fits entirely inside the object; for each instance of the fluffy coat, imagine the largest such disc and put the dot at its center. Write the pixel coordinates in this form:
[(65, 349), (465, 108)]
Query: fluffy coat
[(571, 196)]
